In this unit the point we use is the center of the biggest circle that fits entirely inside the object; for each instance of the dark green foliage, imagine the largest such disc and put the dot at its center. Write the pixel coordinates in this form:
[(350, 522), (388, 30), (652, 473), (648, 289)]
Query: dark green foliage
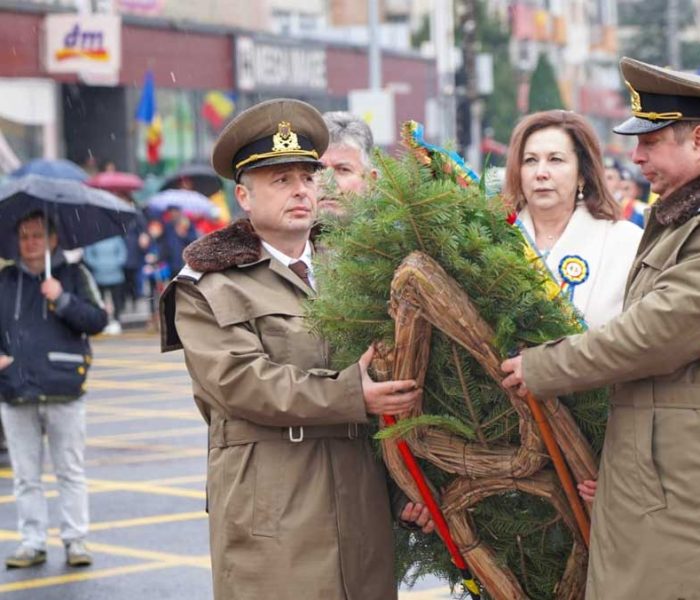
[(544, 90), (467, 233)]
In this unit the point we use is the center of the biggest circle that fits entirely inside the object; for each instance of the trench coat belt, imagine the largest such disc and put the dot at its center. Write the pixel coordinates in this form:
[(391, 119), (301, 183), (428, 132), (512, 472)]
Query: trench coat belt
[(223, 433), (645, 397)]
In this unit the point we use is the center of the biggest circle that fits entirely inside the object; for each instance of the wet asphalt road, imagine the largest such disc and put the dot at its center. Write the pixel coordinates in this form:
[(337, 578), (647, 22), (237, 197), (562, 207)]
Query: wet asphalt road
[(146, 464)]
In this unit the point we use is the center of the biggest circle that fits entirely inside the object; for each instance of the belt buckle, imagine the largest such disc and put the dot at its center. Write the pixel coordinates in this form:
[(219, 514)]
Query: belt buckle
[(296, 438), (353, 431)]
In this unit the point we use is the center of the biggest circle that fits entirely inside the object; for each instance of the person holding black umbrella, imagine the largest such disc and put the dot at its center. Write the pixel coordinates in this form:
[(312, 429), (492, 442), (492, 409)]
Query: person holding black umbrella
[(44, 359)]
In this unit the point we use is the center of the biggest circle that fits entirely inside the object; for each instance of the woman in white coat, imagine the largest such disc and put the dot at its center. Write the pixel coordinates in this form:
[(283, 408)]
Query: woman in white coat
[(556, 181)]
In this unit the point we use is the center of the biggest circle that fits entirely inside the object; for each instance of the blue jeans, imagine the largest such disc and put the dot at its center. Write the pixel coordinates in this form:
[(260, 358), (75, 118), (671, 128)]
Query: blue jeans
[(64, 427)]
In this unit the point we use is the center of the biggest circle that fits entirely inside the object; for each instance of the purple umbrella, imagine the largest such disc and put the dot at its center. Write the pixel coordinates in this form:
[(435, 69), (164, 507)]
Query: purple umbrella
[(186, 200)]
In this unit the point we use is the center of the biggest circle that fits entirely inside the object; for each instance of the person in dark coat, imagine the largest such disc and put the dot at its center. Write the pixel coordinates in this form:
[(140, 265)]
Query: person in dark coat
[(178, 233), (44, 359)]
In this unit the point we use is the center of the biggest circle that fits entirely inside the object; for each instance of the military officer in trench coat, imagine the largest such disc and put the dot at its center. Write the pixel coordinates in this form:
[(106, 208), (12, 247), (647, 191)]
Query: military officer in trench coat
[(298, 504), (645, 539)]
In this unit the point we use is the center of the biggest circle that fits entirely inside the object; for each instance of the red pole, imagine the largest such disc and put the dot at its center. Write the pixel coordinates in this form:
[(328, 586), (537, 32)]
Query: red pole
[(435, 512)]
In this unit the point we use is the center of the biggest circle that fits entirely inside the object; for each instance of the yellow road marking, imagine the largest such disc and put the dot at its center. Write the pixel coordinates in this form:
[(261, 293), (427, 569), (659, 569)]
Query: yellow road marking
[(121, 400), (145, 521), (6, 535), (30, 584), (132, 363), (177, 559), (149, 435), (113, 384), (145, 458), (201, 561), (134, 446), (150, 413), (101, 486)]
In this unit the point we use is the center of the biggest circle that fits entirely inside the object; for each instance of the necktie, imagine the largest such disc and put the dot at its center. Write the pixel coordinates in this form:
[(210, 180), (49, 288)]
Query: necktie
[(301, 270)]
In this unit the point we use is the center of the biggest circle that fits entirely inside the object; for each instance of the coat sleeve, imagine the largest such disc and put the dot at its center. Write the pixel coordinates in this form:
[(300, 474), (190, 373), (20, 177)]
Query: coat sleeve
[(80, 306), (655, 336), (239, 379)]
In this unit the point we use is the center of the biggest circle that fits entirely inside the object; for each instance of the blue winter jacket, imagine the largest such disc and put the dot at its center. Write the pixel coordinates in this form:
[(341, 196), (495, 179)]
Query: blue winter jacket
[(48, 340), (106, 260)]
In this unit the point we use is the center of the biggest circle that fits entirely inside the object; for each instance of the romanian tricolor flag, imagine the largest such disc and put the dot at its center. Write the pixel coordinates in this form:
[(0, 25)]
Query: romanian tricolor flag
[(217, 108), (147, 113)]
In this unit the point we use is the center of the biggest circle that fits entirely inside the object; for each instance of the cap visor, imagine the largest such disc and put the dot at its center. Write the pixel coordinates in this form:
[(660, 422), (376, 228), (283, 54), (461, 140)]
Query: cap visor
[(637, 126), (280, 160)]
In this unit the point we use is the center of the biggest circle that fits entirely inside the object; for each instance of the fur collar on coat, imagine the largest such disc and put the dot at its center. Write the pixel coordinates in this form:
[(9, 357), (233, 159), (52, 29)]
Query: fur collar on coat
[(237, 244), (680, 205)]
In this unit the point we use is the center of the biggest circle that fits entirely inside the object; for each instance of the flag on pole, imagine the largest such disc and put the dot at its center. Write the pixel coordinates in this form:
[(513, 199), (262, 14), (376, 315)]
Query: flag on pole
[(147, 113), (217, 108)]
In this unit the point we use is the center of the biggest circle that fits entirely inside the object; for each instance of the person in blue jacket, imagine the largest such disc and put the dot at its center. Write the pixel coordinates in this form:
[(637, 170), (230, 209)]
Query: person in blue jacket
[(44, 359), (106, 260)]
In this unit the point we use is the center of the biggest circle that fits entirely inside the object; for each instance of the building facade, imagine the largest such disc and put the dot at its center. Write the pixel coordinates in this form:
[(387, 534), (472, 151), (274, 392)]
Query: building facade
[(204, 74)]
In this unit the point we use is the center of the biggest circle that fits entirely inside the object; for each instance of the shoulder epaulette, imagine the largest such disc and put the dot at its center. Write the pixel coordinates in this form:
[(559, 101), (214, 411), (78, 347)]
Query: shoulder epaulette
[(5, 263), (187, 273)]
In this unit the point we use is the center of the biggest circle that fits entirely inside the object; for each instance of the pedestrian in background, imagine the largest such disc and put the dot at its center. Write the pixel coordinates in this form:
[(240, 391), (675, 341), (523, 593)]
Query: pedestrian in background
[(178, 233), (613, 176), (44, 359), (106, 260), (137, 243)]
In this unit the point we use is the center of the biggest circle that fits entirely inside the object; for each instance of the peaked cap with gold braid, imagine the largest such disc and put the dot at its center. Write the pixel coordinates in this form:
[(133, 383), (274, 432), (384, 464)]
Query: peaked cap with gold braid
[(659, 97), (272, 132)]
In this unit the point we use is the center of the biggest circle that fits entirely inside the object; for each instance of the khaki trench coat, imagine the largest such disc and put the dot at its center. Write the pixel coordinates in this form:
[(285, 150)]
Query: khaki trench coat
[(288, 520), (646, 515)]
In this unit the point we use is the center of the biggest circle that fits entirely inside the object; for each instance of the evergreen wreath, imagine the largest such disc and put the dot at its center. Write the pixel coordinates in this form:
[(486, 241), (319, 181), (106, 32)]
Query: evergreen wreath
[(470, 295)]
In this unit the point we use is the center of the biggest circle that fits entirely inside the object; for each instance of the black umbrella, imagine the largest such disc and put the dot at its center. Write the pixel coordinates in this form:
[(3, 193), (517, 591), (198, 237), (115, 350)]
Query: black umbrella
[(202, 178), (82, 215)]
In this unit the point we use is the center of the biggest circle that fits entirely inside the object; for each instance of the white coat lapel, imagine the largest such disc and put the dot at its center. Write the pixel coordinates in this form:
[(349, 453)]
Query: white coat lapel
[(577, 255)]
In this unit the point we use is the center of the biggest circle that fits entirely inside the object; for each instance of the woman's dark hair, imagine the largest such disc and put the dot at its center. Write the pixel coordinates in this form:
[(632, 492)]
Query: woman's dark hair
[(598, 199)]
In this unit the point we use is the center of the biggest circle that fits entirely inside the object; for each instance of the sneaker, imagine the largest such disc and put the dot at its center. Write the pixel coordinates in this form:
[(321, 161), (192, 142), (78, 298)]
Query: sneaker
[(77, 554), (25, 557), (113, 328)]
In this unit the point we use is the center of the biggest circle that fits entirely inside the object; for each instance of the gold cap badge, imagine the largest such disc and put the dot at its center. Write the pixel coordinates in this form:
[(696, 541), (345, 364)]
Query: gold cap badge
[(635, 100), (285, 139), (637, 111)]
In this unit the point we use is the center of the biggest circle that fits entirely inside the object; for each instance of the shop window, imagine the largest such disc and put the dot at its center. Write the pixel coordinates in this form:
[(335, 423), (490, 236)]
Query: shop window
[(24, 141)]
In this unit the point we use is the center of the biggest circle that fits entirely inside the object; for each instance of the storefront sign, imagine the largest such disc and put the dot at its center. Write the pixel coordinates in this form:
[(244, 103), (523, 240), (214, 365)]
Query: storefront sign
[(268, 66), (89, 44)]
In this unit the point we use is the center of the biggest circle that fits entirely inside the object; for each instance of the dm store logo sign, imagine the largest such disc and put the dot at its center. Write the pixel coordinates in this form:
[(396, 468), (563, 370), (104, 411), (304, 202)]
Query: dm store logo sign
[(82, 43), (87, 43)]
